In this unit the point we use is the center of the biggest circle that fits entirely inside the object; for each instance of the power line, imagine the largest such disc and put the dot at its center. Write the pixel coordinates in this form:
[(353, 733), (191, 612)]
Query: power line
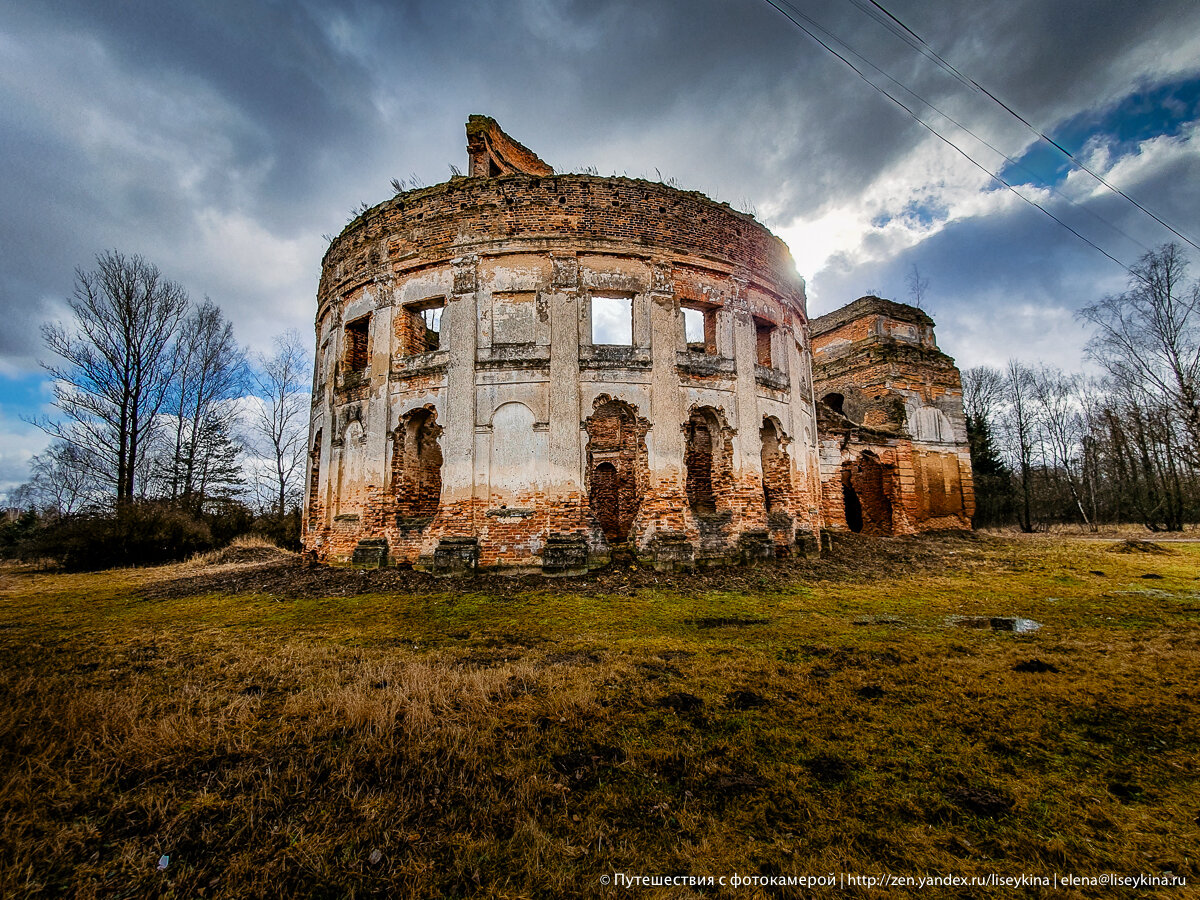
[(1099, 218), (788, 14), (932, 54)]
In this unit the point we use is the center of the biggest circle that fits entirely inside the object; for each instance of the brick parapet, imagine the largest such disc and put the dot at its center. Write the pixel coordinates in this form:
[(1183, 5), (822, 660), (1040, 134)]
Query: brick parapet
[(431, 226)]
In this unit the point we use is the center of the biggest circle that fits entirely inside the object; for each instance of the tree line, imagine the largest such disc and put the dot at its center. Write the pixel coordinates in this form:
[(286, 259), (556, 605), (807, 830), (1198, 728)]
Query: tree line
[(1119, 446), (170, 436)]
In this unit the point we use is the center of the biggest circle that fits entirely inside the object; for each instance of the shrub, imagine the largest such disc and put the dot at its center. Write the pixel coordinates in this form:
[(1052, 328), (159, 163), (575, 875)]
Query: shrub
[(137, 533), (15, 531), (282, 531)]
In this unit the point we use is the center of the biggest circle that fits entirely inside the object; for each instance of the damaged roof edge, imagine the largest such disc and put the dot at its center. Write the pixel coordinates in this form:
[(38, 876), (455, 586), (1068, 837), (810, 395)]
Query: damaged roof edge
[(869, 305), (491, 152)]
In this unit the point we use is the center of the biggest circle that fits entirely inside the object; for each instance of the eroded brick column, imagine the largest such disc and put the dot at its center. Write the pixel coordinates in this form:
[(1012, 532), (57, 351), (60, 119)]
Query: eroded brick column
[(746, 497)]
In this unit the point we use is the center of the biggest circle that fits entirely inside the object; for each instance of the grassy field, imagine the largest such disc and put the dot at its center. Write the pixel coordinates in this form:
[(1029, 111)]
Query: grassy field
[(275, 730)]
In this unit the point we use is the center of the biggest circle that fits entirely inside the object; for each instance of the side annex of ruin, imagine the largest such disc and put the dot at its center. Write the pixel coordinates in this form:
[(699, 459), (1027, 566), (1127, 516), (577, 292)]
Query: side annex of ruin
[(894, 452), (531, 371)]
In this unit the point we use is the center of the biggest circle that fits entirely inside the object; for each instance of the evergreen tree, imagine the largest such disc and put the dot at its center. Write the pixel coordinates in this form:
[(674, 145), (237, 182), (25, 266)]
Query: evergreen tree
[(993, 480), (218, 473)]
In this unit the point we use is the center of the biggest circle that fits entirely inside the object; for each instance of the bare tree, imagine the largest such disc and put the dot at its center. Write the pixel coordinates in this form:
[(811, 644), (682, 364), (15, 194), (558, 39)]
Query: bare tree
[(280, 424), (1061, 430), (1143, 436), (65, 480), (983, 392), (917, 286), (1149, 336), (210, 376), (117, 361), (1019, 424)]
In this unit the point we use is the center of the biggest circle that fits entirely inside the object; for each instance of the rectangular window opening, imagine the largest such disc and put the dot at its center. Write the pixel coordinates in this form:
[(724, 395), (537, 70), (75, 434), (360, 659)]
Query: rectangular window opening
[(612, 321), (358, 334), (432, 320), (419, 328), (763, 332), (700, 329)]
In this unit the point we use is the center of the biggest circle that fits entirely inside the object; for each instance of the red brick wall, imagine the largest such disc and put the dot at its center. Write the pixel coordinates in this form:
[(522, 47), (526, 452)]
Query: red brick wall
[(698, 458), (355, 347), (417, 465), (777, 471)]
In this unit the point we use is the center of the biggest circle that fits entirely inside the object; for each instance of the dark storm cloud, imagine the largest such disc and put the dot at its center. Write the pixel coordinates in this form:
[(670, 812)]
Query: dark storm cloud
[(222, 139)]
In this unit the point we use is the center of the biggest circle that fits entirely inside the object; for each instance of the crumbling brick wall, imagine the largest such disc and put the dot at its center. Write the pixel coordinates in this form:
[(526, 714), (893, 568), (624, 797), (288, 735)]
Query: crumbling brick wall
[(868, 487), (417, 466), (776, 469), (707, 461)]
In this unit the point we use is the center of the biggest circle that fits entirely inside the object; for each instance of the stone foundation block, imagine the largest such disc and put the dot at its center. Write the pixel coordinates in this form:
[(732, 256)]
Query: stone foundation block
[(755, 547), (565, 554), (456, 556), (371, 553), (671, 551)]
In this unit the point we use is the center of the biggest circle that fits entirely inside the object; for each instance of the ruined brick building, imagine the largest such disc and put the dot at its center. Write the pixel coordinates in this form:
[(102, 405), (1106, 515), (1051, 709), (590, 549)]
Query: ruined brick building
[(894, 451), (528, 370)]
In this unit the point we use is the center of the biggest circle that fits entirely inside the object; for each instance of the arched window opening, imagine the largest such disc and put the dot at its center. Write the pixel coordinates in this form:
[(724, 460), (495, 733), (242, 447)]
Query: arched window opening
[(776, 474), (835, 402), (417, 465), (866, 483), (606, 501), (614, 454)]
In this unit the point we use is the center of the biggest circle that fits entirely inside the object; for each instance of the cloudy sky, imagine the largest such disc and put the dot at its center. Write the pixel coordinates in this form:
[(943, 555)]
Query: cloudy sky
[(222, 141)]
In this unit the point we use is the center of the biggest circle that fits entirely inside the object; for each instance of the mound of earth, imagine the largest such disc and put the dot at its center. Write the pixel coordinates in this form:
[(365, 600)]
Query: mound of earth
[(1134, 545), (251, 554)]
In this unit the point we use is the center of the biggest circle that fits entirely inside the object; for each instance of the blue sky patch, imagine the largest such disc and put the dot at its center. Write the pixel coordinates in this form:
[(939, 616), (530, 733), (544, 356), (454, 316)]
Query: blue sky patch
[(1162, 110), (25, 395), (914, 213)]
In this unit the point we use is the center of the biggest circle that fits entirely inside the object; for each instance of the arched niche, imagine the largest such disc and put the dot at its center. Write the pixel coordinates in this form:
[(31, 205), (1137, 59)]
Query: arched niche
[(519, 454), (707, 460), (417, 465), (776, 467), (352, 488)]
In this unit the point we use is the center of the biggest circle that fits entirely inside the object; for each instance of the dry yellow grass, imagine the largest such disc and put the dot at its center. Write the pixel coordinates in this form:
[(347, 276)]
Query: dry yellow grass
[(524, 740), (242, 550)]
